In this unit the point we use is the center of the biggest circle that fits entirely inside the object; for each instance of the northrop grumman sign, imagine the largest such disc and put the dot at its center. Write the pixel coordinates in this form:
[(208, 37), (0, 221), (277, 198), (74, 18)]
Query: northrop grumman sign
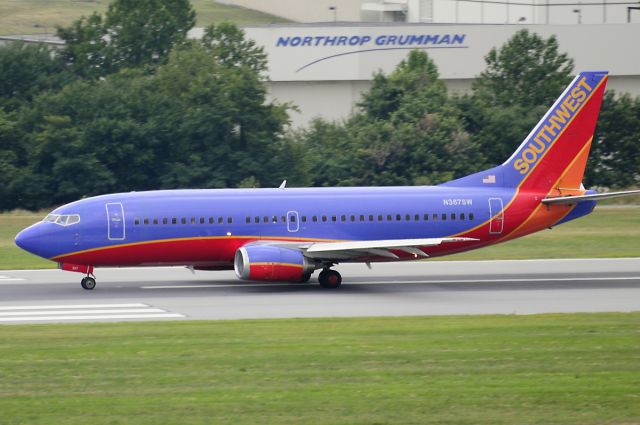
[(354, 52), (349, 52), (415, 40)]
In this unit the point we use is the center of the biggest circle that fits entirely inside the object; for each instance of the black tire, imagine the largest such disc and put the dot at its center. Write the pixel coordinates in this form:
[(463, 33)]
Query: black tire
[(88, 283), (330, 279)]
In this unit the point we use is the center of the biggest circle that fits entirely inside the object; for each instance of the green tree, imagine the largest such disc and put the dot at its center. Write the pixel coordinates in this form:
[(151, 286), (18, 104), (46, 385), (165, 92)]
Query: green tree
[(229, 46), (86, 52), (199, 121), (522, 79), (27, 70), (615, 158), (527, 70), (407, 132), (143, 32), (133, 33)]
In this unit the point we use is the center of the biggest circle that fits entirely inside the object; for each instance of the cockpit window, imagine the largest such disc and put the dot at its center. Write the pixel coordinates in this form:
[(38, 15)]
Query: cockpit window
[(62, 219)]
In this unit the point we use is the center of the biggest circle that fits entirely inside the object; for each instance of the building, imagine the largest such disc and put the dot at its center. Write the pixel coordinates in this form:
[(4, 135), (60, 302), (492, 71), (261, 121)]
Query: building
[(324, 68), (548, 12)]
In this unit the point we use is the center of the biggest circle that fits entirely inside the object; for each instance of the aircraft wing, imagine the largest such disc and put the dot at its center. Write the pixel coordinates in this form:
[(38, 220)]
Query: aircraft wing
[(592, 197), (344, 250)]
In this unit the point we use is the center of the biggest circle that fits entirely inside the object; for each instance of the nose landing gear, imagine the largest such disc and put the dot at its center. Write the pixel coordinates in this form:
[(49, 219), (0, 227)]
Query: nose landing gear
[(88, 282)]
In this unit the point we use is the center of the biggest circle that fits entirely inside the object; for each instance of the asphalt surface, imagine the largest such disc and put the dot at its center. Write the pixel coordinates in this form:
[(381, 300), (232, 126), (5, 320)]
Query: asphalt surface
[(395, 289)]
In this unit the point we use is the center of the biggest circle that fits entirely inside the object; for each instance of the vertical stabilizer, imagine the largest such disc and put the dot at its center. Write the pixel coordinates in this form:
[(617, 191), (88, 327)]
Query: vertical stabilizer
[(554, 154)]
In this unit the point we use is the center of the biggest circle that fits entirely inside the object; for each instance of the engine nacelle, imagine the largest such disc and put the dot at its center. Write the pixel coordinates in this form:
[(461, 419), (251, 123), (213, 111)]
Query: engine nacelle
[(267, 263)]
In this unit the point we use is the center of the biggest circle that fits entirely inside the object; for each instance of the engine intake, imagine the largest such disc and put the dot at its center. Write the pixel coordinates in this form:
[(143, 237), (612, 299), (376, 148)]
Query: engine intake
[(269, 263)]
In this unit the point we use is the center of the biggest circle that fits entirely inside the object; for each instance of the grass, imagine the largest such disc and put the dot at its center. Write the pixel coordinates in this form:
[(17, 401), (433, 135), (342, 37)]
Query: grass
[(561, 369), (42, 16), (607, 233)]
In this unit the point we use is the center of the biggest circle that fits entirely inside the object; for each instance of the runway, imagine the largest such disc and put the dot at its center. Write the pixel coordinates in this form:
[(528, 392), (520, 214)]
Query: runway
[(397, 289)]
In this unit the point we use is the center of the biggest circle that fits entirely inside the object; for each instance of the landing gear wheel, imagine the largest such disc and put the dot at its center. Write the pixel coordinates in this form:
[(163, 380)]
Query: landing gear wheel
[(305, 277), (88, 283), (330, 279)]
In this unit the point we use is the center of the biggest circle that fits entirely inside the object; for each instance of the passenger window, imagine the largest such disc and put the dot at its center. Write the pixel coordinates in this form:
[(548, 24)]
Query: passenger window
[(174, 220), (155, 221), (136, 221), (398, 217), (314, 218), (425, 217), (407, 217), (201, 220), (274, 219), (324, 218), (343, 218), (444, 216), (370, 217), (211, 220), (247, 220), (361, 217), (292, 218), (461, 216), (183, 220), (265, 219), (470, 216), (353, 218), (334, 218), (146, 221), (230, 220), (453, 216), (220, 220), (256, 220), (379, 217), (434, 217), (416, 217), (193, 220), (165, 220), (389, 217)]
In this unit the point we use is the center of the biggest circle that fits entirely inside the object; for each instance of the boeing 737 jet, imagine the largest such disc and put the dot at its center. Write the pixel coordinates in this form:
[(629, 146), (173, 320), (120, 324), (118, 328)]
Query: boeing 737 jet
[(285, 234)]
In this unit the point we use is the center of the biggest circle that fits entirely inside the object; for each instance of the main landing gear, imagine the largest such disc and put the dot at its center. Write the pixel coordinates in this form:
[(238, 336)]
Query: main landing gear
[(329, 279), (88, 282)]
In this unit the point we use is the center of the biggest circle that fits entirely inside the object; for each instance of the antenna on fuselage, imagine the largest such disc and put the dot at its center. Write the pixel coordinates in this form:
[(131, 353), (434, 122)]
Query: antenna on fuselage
[(283, 184)]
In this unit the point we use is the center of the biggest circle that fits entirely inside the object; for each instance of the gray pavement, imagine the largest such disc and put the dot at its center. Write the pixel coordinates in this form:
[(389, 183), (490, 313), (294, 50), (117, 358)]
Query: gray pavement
[(394, 289)]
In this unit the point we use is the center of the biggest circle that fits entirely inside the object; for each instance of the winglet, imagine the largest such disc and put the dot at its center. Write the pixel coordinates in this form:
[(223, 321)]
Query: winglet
[(283, 184)]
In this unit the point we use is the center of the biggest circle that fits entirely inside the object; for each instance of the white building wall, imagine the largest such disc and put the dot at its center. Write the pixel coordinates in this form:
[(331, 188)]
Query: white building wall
[(548, 12), (305, 10), (310, 66)]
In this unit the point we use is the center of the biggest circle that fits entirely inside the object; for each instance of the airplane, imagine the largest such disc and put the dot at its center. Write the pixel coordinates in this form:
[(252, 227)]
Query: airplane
[(286, 234)]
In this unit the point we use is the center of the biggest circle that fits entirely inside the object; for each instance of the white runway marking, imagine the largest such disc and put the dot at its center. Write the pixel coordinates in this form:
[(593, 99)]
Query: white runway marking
[(53, 307), (10, 279), (387, 282), (55, 313)]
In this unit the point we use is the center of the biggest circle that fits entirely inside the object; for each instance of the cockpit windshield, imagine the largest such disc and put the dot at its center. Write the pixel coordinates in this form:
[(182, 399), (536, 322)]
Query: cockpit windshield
[(62, 219)]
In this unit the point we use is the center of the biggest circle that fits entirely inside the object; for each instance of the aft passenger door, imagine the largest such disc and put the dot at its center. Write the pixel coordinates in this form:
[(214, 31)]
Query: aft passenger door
[(496, 213)]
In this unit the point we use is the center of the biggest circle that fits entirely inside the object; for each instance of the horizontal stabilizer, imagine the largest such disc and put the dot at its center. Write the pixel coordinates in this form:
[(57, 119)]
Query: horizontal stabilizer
[(592, 197)]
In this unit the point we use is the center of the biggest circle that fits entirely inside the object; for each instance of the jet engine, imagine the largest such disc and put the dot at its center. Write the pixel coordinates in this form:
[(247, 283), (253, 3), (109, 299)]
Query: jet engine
[(268, 263)]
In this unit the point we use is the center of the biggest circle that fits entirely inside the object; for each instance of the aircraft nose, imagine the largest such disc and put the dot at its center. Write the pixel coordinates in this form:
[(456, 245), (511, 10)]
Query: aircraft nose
[(30, 239)]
